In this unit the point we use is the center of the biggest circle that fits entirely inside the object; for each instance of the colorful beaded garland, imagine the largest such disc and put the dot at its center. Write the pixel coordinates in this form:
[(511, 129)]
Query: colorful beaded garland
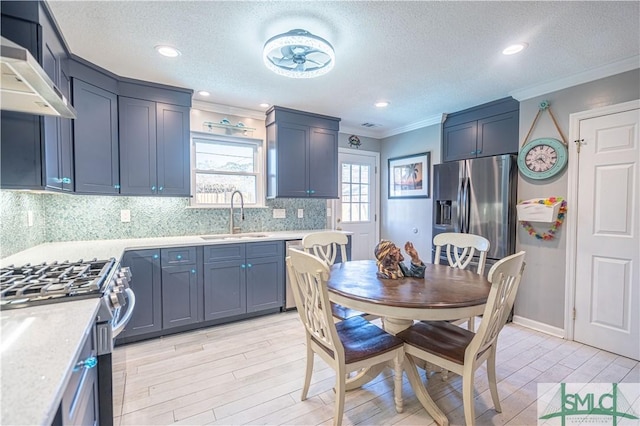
[(551, 233)]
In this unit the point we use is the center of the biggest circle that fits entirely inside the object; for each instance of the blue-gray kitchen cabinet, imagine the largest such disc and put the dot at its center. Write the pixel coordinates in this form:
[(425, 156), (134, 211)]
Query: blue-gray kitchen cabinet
[(265, 275), (482, 131), (302, 154), (243, 278), (145, 282), (225, 290), (154, 148), (36, 150), (180, 287), (95, 139)]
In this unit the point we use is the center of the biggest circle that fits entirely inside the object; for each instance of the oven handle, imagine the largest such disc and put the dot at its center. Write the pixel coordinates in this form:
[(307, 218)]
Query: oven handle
[(131, 303)]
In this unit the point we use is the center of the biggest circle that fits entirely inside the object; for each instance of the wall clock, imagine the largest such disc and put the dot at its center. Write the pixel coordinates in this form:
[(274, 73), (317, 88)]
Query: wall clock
[(542, 158)]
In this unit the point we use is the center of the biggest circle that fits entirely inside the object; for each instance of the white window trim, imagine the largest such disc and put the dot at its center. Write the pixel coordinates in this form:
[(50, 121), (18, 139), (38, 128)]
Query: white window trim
[(259, 173)]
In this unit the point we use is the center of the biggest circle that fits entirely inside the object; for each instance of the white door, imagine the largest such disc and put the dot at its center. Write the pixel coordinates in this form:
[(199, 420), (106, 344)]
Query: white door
[(607, 274), (357, 208)]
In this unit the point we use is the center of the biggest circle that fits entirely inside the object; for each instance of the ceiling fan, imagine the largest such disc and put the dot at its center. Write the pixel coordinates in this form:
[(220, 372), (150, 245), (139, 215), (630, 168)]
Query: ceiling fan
[(298, 54)]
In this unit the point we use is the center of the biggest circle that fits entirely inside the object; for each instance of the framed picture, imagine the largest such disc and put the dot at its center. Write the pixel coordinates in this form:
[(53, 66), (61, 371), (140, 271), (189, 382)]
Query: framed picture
[(409, 176)]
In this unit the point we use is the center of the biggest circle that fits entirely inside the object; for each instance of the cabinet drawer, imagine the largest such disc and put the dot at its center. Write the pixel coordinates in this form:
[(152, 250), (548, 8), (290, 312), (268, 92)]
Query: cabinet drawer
[(265, 249), (224, 252), (178, 256)]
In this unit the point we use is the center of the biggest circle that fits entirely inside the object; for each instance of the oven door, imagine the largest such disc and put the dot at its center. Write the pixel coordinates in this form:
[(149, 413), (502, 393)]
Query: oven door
[(122, 315)]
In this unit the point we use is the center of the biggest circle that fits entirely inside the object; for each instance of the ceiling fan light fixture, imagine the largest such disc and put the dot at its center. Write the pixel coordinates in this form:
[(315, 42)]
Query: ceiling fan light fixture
[(298, 54)]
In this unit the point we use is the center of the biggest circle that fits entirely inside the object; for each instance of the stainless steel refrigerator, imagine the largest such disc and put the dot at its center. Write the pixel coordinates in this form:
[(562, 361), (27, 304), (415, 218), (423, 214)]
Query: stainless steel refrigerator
[(478, 196)]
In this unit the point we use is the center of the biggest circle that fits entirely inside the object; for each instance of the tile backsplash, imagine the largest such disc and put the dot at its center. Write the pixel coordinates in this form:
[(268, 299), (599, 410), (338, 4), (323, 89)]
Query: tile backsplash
[(61, 217)]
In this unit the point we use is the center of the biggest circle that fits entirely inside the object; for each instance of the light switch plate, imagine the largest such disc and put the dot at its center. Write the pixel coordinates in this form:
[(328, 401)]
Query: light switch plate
[(279, 213), (300, 213), (329, 211), (125, 215), (29, 217)]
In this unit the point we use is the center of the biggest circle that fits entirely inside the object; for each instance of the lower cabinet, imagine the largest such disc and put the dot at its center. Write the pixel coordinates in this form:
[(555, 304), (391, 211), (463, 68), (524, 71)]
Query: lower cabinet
[(182, 286), (243, 278), (146, 284)]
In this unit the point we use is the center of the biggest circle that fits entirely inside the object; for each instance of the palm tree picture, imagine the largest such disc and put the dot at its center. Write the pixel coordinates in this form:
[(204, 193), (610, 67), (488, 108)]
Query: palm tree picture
[(407, 176)]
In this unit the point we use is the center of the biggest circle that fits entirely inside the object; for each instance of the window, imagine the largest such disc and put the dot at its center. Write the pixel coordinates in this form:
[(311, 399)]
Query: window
[(221, 165), (355, 192)]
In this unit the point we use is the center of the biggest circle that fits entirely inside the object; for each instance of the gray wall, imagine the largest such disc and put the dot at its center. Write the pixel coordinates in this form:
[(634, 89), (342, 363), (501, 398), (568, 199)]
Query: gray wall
[(542, 292), (366, 143), (399, 217)]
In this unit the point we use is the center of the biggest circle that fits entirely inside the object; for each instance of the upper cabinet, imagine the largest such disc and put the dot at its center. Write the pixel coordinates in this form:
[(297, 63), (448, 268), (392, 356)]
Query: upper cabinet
[(482, 131), (302, 154), (154, 142), (97, 169), (130, 137), (36, 150)]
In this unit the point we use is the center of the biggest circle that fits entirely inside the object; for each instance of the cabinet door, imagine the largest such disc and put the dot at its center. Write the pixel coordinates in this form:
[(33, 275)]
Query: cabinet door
[(459, 142), (173, 150), (66, 136), (179, 296), (137, 121), (146, 284), (95, 139), (323, 163), (293, 157), (20, 145), (498, 134), (225, 291), (51, 54), (265, 283)]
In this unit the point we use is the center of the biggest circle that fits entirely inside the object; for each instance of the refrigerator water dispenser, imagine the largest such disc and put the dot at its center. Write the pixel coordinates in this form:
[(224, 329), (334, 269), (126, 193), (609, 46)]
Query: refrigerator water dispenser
[(443, 212)]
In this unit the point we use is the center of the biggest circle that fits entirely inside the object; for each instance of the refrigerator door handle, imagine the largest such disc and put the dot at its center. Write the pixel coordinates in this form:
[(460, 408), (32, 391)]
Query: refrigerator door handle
[(465, 206), (461, 208)]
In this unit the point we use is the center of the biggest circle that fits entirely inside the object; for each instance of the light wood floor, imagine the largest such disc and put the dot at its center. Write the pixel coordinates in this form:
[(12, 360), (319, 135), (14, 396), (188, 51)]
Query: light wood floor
[(251, 372)]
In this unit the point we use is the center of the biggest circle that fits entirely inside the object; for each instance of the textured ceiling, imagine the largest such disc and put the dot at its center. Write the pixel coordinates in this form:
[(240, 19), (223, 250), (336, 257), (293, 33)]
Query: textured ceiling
[(425, 57)]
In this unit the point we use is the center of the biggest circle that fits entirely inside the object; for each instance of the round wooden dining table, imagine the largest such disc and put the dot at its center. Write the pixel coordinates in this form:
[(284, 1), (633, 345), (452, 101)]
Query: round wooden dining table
[(445, 293)]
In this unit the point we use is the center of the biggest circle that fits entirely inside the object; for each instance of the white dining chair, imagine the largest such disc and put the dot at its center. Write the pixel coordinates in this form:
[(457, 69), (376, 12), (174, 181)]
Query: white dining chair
[(326, 245), (462, 351), (460, 250), (346, 346)]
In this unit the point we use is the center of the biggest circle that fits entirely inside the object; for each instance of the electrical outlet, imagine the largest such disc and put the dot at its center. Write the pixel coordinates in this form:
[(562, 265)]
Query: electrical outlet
[(29, 218), (279, 213), (125, 215), (300, 213)]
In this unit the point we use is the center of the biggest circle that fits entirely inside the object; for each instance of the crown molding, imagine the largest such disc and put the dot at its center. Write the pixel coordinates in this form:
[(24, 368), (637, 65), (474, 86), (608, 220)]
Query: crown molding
[(226, 109), (429, 121), (361, 131), (579, 78)]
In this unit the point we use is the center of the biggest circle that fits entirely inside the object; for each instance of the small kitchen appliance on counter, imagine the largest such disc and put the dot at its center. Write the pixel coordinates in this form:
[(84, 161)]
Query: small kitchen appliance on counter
[(33, 285)]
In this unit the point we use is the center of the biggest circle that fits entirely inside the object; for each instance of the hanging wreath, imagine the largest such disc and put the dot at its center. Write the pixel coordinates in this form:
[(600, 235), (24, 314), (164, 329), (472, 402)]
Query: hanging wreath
[(354, 141), (551, 233)]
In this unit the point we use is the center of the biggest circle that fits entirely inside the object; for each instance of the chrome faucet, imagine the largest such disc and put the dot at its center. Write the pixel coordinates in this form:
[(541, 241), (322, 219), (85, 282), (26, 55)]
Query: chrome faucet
[(234, 229)]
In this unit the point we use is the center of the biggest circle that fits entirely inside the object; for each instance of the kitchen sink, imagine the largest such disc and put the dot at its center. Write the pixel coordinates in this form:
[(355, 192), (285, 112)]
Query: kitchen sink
[(233, 237)]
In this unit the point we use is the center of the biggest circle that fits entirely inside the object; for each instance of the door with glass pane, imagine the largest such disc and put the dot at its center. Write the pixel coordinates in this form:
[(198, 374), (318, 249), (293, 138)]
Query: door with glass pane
[(357, 208)]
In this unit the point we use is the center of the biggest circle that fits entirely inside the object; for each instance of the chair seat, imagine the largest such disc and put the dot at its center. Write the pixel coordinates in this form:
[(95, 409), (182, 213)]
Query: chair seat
[(439, 338), (361, 339), (343, 313)]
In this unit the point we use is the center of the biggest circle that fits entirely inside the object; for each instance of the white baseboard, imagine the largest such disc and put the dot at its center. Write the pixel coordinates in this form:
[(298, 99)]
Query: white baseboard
[(539, 326)]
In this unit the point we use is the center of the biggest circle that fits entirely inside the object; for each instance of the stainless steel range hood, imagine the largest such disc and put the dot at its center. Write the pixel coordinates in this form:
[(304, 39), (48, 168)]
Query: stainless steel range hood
[(26, 87)]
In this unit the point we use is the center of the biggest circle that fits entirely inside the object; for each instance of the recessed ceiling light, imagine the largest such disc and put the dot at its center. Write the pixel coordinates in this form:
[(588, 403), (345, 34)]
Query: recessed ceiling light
[(204, 93), (514, 48), (381, 104), (168, 51), (264, 105)]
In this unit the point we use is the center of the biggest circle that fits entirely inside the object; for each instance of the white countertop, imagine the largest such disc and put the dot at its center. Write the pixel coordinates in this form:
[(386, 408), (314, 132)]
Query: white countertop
[(39, 344), (104, 249), (38, 348)]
